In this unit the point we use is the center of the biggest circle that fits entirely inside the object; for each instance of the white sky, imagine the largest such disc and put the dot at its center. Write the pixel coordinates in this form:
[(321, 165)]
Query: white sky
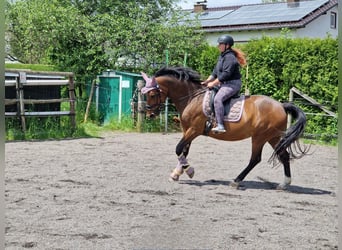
[(189, 4)]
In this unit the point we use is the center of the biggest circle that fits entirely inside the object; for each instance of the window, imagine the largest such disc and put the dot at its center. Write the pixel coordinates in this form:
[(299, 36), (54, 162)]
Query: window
[(333, 21)]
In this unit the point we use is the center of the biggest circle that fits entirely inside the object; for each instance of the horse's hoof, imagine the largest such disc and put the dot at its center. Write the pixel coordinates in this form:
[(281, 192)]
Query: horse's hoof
[(234, 184), (173, 179), (285, 184), (174, 176), (282, 186), (190, 171)]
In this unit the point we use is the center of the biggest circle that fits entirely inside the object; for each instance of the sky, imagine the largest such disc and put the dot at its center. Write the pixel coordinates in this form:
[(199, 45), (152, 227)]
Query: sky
[(189, 4)]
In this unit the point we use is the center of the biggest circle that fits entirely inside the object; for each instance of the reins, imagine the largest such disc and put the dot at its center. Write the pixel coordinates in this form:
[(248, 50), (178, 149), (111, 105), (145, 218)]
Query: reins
[(192, 95)]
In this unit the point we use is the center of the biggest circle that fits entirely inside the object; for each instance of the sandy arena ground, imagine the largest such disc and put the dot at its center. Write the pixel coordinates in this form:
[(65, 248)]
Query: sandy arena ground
[(113, 193)]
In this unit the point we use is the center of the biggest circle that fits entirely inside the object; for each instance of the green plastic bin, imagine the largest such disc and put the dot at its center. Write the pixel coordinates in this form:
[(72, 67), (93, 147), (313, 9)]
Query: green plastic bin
[(115, 91)]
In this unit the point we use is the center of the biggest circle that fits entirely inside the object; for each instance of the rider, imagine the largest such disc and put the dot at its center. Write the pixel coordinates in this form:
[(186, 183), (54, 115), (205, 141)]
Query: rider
[(226, 75)]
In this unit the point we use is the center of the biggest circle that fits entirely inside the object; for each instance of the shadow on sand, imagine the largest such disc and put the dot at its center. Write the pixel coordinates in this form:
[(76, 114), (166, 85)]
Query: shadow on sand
[(262, 184)]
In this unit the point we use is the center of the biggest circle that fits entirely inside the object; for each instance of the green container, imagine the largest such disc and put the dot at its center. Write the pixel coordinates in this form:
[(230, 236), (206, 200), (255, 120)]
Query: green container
[(114, 94), (108, 98)]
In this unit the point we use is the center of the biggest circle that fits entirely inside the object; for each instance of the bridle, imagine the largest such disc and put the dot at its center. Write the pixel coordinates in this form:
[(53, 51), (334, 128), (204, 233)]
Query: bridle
[(159, 105)]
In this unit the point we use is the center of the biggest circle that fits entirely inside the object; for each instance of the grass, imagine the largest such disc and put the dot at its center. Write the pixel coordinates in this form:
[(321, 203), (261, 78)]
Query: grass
[(35, 67), (59, 128), (41, 128), (125, 124), (322, 142)]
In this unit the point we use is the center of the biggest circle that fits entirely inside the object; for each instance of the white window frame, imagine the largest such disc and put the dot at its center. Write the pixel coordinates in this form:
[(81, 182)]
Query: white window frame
[(333, 20)]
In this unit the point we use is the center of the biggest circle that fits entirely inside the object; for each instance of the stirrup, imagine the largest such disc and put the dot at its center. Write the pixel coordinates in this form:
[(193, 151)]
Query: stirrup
[(218, 129)]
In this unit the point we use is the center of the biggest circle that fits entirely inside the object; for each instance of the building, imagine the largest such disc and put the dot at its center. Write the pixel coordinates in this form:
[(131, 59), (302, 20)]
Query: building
[(310, 18)]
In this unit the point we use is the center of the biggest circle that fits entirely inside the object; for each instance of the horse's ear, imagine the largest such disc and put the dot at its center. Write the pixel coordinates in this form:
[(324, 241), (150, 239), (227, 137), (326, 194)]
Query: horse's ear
[(150, 82), (146, 78)]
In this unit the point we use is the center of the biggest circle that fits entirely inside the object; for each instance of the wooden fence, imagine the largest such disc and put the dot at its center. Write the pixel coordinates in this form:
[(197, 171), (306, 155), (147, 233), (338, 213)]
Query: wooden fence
[(38, 94)]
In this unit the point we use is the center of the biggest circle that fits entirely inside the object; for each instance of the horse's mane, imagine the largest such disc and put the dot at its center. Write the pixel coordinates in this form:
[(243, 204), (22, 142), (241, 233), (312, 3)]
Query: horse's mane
[(181, 73)]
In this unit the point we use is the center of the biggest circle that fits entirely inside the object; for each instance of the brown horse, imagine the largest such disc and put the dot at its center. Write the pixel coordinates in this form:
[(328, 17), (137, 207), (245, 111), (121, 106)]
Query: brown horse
[(263, 119)]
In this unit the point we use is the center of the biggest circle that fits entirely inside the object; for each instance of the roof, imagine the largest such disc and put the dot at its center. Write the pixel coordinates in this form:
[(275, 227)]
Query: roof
[(263, 16)]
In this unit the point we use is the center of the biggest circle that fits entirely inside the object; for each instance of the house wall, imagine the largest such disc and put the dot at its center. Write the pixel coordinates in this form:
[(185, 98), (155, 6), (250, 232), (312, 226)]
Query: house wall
[(318, 28), (241, 36)]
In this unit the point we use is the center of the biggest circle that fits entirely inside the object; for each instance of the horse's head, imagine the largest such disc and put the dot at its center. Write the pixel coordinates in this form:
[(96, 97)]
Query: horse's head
[(154, 103), (180, 84), (154, 99)]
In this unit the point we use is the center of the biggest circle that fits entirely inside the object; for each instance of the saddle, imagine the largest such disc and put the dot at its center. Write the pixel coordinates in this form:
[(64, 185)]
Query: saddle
[(232, 108)]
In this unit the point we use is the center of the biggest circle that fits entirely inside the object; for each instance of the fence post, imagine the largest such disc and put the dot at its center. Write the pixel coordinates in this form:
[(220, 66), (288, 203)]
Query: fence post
[(72, 102), (20, 90), (166, 115), (89, 100), (289, 117), (141, 106)]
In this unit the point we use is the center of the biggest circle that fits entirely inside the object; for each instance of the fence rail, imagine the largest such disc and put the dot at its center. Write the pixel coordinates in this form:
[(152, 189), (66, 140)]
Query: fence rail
[(38, 83), (22, 93), (315, 103)]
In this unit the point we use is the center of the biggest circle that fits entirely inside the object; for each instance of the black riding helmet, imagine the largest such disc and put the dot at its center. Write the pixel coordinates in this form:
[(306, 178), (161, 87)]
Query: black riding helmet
[(225, 39)]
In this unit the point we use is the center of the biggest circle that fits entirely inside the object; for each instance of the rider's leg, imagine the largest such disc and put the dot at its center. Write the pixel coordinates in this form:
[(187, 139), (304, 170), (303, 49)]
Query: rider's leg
[(225, 92)]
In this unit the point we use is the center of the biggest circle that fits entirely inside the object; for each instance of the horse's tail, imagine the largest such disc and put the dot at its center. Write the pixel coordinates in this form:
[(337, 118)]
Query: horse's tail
[(290, 139)]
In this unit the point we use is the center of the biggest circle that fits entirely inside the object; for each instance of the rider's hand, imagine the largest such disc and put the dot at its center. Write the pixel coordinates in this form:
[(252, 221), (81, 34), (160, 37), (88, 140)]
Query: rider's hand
[(210, 85)]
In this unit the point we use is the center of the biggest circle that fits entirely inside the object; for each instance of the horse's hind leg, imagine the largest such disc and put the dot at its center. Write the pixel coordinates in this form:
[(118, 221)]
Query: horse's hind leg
[(284, 158), (254, 160)]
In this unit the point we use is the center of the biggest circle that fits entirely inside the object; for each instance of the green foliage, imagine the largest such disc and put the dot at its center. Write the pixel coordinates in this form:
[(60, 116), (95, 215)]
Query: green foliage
[(278, 64), (41, 128), (87, 37), (125, 124), (35, 26), (206, 60), (35, 67)]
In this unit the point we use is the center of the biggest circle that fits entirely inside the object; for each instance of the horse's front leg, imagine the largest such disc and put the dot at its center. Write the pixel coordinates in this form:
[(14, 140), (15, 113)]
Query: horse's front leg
[(182, 151)]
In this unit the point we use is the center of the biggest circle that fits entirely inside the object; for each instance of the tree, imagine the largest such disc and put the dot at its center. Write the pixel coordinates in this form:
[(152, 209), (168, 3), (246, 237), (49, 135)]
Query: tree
[(34, 27), (117, 7), (87, 37)]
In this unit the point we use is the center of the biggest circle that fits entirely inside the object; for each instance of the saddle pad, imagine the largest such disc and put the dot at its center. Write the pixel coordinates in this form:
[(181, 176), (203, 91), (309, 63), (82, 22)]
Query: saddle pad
[(236, 107)]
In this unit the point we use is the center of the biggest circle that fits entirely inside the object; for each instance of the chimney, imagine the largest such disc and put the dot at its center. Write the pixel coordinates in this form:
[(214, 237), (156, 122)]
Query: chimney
[(200, 6), (293, 3)]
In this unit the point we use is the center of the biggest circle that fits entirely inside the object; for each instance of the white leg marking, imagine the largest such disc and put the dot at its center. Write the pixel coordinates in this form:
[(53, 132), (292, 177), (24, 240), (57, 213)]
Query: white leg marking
[(287, 181)]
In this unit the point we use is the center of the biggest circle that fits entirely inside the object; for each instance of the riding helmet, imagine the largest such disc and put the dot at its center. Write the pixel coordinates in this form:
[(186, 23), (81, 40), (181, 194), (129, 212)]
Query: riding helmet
[(226, 39)]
